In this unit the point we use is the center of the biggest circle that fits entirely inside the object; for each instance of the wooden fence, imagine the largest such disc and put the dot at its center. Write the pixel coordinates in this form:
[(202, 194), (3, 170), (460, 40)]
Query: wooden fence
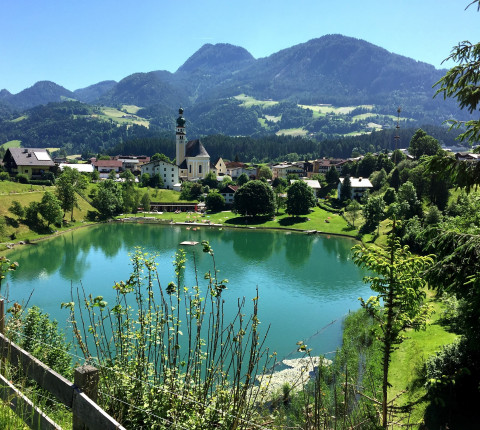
[(80, 395)]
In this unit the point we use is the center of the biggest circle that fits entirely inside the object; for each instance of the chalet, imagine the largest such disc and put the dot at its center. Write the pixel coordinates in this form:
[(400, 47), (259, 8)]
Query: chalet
[(219, 168), (359, 187), (468, 156), (33, 162)]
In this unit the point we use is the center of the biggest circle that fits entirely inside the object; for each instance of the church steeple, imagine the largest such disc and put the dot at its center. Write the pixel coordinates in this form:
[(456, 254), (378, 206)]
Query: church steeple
[(180, 138)]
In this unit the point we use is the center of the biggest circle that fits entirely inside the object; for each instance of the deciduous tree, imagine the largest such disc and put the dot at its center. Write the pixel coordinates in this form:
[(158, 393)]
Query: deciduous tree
[(255, 198), (300, 198)]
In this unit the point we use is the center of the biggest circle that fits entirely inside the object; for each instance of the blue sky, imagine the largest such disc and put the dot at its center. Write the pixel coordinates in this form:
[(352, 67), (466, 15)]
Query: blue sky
[(79, 43)]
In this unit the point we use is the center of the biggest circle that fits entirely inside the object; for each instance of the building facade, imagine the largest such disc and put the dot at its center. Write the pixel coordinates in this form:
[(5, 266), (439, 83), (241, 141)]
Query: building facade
[(192, 159)]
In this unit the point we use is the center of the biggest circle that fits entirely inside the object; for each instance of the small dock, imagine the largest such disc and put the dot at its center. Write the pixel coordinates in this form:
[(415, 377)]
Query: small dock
[(189, 243)]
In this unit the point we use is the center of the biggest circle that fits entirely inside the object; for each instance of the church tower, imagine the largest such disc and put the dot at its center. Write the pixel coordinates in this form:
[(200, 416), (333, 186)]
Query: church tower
[(180, 138)]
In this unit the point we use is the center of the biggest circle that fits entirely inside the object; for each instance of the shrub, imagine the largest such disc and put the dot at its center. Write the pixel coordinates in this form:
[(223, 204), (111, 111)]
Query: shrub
[(22, 178), (41, 182), (4, 176)]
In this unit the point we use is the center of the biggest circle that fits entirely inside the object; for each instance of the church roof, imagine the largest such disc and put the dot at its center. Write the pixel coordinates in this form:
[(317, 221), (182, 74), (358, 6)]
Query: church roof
[(195, 148)]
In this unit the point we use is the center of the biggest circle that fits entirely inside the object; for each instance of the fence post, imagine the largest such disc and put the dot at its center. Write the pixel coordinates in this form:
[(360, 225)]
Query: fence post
[(86, 379), (2, 316)]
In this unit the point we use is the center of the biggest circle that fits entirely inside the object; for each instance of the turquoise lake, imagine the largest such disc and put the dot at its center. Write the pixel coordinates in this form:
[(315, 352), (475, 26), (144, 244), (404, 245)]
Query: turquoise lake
[(305, 282)]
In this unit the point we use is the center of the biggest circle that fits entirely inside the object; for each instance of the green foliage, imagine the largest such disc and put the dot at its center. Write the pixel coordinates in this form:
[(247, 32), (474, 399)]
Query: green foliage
[(170, 351), (352, 211), (191, 191), (346, 189), (400, 284), (161, 157), (409, 205), (423, 144), (37, 334), (6, 266), (210, 179), (300, 198), (214, 201), (255, 198), (145, 201), (22, 178), (461, 83), (4, 176), (109, 199), (50, 209), (373, 212), (265, 172), (17, 209), (332, 177), (68, 184), (242, 179)]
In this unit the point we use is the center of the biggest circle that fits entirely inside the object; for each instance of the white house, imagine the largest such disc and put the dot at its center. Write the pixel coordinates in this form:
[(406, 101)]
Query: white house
[(167, 171), (359, 187)]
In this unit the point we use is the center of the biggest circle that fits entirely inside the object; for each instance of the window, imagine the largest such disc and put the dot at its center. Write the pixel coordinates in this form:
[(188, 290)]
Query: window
[(164, 169), (200, 168), (190, 169)]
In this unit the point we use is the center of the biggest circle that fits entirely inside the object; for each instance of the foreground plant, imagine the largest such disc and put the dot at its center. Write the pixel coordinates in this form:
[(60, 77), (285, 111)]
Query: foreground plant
[(400, 285), (166, 354)]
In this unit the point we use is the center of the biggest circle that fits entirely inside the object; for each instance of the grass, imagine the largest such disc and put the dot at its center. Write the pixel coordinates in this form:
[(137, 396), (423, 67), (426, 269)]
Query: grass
[(248, 101), (116, 115), (405, 373), (292, 132), (319, 220), (131, 108), (11, 144), (25, 194)]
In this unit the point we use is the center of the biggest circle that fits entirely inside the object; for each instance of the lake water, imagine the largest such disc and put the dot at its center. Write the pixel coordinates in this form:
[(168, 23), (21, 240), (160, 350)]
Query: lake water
[(305, 281)]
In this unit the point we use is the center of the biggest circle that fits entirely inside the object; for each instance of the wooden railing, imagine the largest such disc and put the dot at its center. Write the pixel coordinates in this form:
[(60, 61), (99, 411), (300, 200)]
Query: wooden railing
[(79, 395)]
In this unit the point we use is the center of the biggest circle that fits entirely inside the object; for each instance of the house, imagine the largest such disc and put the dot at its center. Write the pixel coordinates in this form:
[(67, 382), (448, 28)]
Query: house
[(132, 162), (170, 173), (468, 156), (228, 193), (323, 165), (284, 169), (104, 167), (192, 158), (219, 168), (33, 162), (235, 169), (359, 187)]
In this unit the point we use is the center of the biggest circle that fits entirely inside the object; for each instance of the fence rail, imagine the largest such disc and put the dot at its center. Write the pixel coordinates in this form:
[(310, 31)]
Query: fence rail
[(86, 413)]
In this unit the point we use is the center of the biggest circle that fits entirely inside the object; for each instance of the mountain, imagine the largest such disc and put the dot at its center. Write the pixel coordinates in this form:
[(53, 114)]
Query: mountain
[(41, 93), (93, 92)]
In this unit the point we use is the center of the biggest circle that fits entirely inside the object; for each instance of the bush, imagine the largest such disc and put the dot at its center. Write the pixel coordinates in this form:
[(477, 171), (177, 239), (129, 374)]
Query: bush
[(41, 182), (4, 176), (22, 178)]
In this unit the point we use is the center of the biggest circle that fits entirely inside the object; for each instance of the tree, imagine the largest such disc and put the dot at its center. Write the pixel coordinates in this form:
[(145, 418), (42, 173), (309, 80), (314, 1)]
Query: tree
[(17, 209), (423, 144), (67, 185), (145, 201), (255, 198), (161, 157), (373, 212), (400, 286), (210, 179), (112, 175), (378, 179), (95, 175), (409, 203), (214, 201), (461, 83), (156, 181), (352, 211), (332, 177), (300, 198), (242, 179), (109, 199), (265, 172), (346, 189), (145, 179), (50, 209)]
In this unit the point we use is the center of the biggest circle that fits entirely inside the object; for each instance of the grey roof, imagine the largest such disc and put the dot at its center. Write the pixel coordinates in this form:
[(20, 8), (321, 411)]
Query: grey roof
[(195, 148), (27, 157)]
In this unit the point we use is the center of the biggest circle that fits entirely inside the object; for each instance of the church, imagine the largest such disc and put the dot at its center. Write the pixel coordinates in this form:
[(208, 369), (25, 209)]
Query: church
[(192, 159)]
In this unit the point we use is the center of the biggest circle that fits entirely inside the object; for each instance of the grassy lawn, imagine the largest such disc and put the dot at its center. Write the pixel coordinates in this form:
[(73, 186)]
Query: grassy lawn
[(116, 115), (292, 132), (11, 144), (25, 194), (319, 220), (131, 108), (248, 101), (407, 361)]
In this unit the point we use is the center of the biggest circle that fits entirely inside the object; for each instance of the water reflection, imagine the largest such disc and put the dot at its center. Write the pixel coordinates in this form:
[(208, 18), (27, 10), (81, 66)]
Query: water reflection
[(305, 282)]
